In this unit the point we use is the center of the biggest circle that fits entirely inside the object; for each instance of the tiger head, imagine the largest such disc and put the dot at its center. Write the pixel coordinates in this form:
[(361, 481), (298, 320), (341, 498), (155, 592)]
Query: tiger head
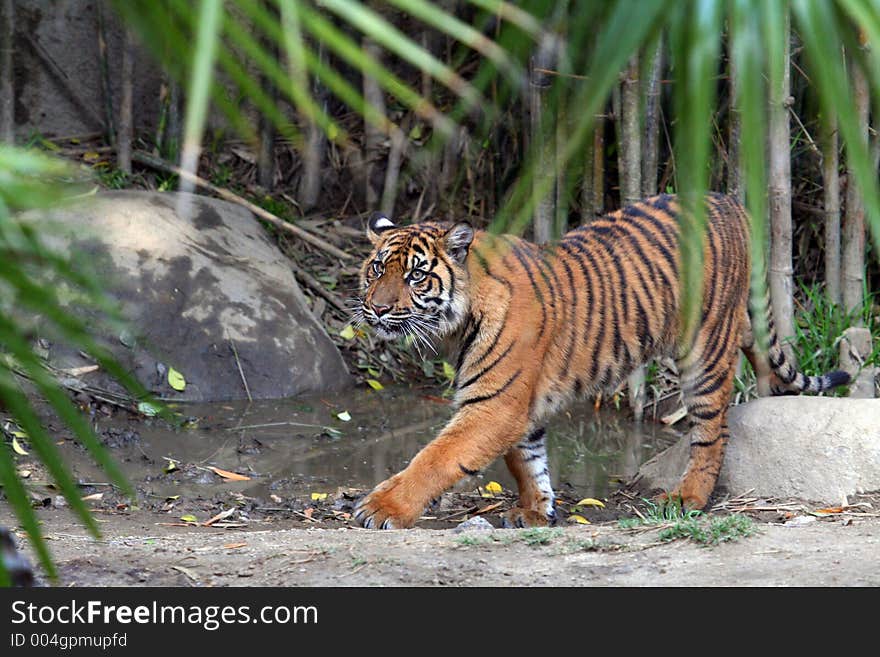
[(414, 281)]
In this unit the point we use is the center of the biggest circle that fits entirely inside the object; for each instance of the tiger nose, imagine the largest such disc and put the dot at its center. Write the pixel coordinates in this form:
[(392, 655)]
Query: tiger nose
[(380, 310)]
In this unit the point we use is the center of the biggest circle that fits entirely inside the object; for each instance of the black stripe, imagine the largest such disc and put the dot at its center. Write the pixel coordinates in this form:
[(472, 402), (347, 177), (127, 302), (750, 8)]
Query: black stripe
[(710, 414), (536, 435), (598, 305), (468, 341), (470, 473), (486, 369), (492, 395)]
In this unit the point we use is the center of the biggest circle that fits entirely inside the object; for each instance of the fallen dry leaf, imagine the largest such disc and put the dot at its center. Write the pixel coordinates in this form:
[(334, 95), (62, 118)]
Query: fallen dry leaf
[(234, 546), (590, 501), (220, 516), (232, 476)]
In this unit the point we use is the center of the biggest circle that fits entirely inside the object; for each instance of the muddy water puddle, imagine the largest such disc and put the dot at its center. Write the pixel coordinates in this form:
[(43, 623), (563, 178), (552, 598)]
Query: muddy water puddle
[(293, 447)]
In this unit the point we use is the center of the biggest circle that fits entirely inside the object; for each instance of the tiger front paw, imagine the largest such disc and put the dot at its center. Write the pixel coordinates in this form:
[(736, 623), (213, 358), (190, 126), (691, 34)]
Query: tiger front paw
[(689, 500), (520, 517), (388, 507)]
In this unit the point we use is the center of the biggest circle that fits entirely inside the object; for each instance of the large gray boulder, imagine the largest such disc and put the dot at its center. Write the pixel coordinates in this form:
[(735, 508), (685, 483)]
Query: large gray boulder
[(192, 288), (814, 448)]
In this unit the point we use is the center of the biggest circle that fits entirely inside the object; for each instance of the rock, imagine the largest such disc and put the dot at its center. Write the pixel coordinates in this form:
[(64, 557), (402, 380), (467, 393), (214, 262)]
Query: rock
[(192, 288), (864, 386), (816, 448), (17, 567), (855, 348), (477, 523)]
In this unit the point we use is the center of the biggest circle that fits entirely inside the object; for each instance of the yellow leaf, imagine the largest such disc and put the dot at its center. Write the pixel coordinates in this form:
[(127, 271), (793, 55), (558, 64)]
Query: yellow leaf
[(494, 487), (91, 156), (590, 501), (375, 385), (19, 434), (176, 380), (317, 497), (172, 466), (17, 448), (578, 519), (347, 333), (189, 518), (232, 476)]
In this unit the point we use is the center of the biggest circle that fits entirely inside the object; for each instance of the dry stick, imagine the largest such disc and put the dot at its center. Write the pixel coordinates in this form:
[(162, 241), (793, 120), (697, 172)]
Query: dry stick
[(238, 363), (7, 90), (225, 194), (318, 288)]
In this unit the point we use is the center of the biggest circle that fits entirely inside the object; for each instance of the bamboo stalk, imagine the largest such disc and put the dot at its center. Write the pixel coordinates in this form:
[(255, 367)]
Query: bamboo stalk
[(853, 235), (225, 194), (651, 136), (734, 160), (779, 178), (630, 159), (373, 137), (314, 152), (7, 88), (392, 171), (266, 145), (124, 134), (831, 202), (542, 140), (109, 114)]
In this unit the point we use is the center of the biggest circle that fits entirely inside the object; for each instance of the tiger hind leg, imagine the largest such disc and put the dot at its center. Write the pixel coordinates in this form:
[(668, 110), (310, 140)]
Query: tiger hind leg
[(707, 382), (527, 462)]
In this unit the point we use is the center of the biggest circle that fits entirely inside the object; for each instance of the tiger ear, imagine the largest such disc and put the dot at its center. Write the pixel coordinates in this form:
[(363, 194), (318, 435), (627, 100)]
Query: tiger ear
[(378, 223), (458, 239)]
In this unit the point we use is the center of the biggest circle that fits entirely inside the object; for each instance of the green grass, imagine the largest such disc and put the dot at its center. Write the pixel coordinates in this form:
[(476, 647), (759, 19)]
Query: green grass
[(820, 324), (675, 523)]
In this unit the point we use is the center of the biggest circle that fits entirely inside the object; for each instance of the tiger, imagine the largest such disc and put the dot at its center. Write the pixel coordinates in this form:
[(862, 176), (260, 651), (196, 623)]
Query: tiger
[(537, 326)]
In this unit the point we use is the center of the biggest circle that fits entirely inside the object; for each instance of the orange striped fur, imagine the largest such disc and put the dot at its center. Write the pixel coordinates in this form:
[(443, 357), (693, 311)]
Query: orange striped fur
[(537, 326)]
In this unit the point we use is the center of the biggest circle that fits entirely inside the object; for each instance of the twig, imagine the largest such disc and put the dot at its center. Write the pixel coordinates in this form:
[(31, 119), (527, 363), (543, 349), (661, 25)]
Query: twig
[(238, 363), (319, 289), (277, 424), (225, 194)]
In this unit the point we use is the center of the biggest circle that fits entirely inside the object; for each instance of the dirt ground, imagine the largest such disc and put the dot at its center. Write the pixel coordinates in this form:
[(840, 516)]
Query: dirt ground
[(190, 524), (791, 547)]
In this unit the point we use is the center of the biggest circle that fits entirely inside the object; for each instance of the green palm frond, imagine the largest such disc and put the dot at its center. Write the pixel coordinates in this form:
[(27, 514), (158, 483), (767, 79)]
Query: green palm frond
[(30, 274)]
